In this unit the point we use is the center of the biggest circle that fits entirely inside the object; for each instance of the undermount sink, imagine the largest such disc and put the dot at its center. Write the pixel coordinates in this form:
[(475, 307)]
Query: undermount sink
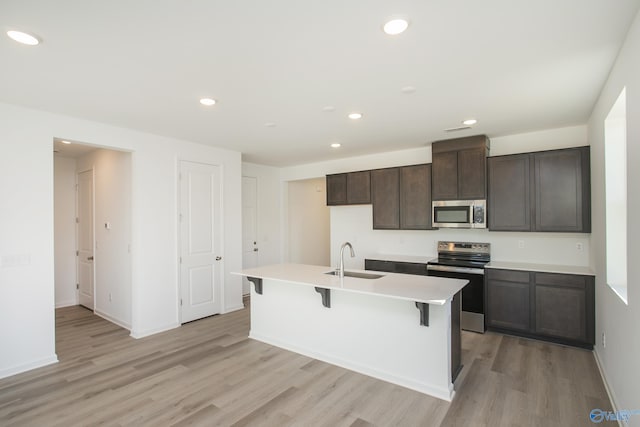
[(355, 274)]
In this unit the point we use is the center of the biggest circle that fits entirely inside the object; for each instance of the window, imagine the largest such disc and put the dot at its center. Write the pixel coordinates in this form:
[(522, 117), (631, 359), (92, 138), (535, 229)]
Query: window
[(615, 157)]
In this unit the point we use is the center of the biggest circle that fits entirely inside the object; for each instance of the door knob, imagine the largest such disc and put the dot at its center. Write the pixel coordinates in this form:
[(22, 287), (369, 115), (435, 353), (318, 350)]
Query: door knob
[(218, 258), (90, 258), (255, 249)]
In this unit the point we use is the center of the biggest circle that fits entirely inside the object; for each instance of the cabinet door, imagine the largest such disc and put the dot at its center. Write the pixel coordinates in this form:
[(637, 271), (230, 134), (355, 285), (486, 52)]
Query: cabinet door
[(562, 193), (415, 197), (560, 312), (445, 176), (337, 189), (359, 188), (561, 306), (385, 197), (472, 166), (508, 301), (509, 203)]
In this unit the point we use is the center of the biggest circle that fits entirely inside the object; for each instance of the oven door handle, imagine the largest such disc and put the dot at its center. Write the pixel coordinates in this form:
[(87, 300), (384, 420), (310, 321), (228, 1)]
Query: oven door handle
[(450, 269)]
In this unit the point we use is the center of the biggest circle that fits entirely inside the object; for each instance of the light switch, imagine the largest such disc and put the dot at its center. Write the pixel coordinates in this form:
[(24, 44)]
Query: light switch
[(107, 225)]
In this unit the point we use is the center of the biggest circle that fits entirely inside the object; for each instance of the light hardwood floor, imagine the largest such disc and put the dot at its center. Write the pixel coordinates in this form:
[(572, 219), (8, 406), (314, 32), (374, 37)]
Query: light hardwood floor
[(209, 373)]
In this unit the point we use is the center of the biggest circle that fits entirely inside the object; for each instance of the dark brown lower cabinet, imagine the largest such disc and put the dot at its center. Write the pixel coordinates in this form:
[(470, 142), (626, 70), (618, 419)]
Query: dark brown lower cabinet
[(549, 306), (564, 306), (508, 299)]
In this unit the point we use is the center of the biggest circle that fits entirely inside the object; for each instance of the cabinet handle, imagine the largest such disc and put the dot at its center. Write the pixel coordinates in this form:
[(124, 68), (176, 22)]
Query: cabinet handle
[(218, 258)]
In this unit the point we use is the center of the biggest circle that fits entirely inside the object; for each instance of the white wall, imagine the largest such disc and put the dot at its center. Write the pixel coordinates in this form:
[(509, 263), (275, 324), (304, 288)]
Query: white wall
[(26, 227), (65, 231), (620, 322), (26, 244), (308, 222), (112, 195)]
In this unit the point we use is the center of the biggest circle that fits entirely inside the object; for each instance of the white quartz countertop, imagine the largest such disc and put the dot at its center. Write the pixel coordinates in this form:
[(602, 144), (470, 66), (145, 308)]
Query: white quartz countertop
[(426, 289), (543, 268)]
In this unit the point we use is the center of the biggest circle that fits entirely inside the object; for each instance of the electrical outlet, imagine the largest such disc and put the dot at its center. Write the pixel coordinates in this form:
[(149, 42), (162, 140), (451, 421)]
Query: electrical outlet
[(520, 244), (579, 246), (604, 340)]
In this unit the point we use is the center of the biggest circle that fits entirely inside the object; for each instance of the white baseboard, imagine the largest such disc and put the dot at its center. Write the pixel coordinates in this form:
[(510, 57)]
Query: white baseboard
[(28, 366), (234, 308), (113, 319), (67, 303), (610, 392), (145, 333), (439, 392)]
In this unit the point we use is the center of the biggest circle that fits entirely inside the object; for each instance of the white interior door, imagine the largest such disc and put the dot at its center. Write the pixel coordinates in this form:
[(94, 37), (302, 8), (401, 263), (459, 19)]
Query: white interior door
[(249, 227), (84, 220), (200, 240)]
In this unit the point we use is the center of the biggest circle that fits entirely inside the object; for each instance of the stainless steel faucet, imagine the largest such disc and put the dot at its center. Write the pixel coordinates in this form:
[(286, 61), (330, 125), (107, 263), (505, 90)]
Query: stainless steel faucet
[(353, 254)]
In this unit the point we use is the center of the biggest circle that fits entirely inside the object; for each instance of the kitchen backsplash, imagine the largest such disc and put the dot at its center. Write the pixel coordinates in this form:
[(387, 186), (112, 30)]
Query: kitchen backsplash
[(353, 224)]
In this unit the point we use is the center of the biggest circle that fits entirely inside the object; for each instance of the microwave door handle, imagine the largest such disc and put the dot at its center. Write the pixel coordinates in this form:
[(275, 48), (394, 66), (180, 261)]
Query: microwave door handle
[(471, 211)]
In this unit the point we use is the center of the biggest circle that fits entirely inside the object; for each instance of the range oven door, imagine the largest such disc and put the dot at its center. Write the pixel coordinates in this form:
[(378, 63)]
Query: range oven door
[(472, 317)]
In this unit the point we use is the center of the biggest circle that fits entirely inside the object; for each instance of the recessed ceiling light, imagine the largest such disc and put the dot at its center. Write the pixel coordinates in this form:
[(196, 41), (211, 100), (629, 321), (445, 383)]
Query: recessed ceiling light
[(24, 38), (355, 116), (208, 101), (65, 142), (336, 145), (469, 122), (395, 26)]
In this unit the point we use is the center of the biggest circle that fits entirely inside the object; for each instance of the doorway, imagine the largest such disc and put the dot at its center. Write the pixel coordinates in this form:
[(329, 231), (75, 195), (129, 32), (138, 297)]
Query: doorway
[(309, 222), (84, 233), (92, 229), (249, 227)]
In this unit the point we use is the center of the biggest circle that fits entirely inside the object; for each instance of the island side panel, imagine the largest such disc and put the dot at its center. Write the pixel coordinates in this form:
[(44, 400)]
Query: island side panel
[(374, 335)]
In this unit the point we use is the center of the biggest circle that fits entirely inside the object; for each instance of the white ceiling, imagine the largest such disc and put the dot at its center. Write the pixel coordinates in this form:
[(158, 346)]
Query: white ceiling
[(516, 66)]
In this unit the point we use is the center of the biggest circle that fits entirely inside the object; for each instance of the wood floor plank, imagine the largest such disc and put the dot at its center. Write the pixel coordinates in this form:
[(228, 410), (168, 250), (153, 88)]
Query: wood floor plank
[(209, 373)]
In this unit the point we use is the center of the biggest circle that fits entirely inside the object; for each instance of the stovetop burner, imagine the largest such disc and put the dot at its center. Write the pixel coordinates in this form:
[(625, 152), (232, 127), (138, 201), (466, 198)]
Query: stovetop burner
[(463, 254)]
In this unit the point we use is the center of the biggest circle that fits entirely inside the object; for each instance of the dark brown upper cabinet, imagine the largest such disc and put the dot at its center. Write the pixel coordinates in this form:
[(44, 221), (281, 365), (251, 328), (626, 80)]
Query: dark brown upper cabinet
[(544, 191), (562, 194), (385, 197), (353, 188), (415, 197), (459, 168), (401, 198), (509, 201)]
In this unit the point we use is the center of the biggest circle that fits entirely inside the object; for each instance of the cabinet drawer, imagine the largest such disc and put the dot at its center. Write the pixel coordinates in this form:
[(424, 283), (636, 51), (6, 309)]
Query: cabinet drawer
[(564, 280), (411, 268), (508, 275), (379, 265)]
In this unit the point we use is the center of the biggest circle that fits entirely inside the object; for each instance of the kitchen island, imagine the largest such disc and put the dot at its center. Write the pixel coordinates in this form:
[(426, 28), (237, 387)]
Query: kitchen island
[(394, 327)]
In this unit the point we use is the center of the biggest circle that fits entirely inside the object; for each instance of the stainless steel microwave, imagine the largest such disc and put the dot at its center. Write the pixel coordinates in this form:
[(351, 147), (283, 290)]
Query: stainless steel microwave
[(459, 214)]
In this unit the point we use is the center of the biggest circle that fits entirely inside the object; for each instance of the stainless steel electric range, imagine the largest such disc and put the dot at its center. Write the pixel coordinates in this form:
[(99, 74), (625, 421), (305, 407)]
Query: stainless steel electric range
[(465, 260)]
